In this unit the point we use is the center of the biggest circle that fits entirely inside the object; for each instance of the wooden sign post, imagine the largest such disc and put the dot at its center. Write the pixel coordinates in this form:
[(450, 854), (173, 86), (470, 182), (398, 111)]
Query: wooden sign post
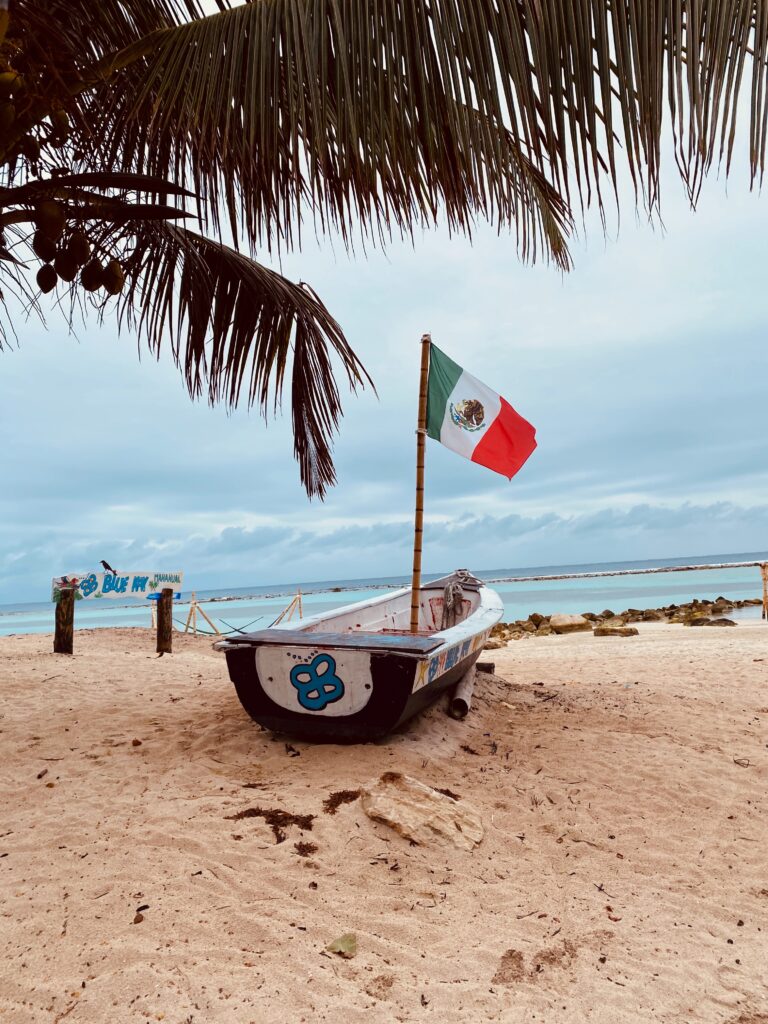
[(165, 621), (66, 590), (65, 622)]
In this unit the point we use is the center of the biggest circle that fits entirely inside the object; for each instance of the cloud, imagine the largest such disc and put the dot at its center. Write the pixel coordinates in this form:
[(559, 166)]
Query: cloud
[(286, 554)]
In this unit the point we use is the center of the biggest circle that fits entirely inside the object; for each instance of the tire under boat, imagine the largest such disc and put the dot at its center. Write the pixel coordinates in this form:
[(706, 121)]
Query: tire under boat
[(357, 673)]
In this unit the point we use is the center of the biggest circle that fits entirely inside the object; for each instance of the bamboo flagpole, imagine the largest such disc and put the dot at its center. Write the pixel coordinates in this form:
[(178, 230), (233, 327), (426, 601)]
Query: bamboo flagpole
[(418, 525)]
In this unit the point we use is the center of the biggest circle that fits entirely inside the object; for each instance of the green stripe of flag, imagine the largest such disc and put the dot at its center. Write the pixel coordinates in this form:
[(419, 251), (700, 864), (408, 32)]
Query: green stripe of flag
[(443, 375)]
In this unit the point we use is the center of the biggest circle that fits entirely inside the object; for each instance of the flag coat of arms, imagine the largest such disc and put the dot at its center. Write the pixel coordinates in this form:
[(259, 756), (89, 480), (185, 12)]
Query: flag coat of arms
[(467, 417)]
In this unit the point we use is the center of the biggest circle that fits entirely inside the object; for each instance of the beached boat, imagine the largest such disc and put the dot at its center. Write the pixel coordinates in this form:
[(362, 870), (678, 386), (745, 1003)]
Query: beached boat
[(357, 673)]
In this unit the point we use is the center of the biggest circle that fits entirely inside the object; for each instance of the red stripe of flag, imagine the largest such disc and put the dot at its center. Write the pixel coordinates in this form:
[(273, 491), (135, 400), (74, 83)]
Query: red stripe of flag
[(507, 444)]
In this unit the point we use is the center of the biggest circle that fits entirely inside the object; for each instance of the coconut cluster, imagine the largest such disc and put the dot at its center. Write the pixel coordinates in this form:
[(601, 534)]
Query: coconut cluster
[(63, 248), (65, 253)]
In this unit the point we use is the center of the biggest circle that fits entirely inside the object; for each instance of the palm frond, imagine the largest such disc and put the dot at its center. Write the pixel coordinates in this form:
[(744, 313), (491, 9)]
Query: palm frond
[(71, 33), (383, 112), (271, 109), (238, 328), (372, 115)]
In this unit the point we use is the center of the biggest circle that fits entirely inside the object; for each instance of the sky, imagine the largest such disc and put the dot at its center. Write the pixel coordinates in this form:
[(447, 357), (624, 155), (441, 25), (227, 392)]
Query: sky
[(643, 370)]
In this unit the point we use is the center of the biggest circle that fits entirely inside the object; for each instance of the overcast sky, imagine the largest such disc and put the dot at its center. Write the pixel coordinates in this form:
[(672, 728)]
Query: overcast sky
[(644, 372)]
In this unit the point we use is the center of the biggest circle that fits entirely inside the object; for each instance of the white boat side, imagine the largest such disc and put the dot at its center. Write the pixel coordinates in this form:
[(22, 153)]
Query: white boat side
[(391, 611), (357, 672)]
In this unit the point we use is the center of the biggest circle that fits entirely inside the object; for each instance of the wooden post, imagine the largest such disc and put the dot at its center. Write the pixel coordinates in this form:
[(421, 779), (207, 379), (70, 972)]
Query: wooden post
[(192, 616), (418, 524), (213, 625), (165, 621), (764, 574), (65, 622)]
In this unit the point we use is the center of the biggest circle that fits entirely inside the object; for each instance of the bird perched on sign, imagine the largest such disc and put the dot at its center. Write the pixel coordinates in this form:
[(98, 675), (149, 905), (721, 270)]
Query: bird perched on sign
[(108, 568)]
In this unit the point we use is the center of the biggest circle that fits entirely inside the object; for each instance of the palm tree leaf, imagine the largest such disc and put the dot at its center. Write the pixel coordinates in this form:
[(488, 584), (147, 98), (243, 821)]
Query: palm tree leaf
[(269, 107), (238, 328), (385, 112), (119, 212), (68, 31)]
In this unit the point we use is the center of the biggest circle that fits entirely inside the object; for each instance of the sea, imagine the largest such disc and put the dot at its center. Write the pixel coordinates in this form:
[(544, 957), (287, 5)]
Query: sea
[(246, 608)]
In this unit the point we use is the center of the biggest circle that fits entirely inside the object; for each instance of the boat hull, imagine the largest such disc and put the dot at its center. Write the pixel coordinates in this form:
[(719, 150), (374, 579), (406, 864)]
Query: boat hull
[(393, 698), (357, 673)]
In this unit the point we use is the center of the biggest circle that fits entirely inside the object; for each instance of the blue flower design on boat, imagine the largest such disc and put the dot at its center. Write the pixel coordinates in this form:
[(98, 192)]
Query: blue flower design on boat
[(317, 684)]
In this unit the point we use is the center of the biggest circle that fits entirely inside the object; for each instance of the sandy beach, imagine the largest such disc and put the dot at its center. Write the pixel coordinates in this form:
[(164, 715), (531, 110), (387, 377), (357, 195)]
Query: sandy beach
[(623, 875)]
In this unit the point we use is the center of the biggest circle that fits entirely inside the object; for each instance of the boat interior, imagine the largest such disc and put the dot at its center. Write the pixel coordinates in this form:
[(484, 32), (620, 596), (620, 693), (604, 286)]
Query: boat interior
[(392, 614)]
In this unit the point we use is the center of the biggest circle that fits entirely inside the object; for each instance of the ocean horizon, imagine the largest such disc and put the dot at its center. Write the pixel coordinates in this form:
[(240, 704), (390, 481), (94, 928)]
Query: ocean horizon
[(257, 606)]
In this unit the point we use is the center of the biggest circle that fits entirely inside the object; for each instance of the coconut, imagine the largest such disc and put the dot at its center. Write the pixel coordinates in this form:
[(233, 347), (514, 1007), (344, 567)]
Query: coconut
[(47, 278), (50, 218), (79, 248), (113, 277), (60, 122), (91, 275), (44, 247), (65, 266), (10, 83), (30, 147)]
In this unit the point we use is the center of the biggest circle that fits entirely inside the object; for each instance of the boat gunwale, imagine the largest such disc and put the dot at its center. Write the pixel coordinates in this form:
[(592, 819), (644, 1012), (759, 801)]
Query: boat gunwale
[(489, 611)]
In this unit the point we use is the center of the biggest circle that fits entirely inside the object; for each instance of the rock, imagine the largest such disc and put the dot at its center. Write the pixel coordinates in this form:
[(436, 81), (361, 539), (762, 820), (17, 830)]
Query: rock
[(615, 621), (719, 608), (345, 945), (544, 630), (499, 629), (652, 615), (525, 625), (606, 613), (590, 615), (494, 645), (569, 623), (616, 631), (697, 620), (419, 813), (720, 622), (536, 619), (632, 615)]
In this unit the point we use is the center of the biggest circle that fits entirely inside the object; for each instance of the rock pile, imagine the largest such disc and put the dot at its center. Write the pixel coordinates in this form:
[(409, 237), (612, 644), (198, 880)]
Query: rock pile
[(609, 623)]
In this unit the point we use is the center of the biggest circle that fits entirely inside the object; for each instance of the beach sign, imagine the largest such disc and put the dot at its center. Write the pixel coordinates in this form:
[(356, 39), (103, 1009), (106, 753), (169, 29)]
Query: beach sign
[(92, 585)]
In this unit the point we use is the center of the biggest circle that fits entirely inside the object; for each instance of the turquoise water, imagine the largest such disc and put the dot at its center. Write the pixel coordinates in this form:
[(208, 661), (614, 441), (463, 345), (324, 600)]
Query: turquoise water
[(257, 607)]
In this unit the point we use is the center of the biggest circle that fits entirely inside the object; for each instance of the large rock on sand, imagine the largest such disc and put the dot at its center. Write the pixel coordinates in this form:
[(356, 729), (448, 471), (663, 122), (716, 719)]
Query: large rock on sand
[(616, 631), (494, 644), (569, 624), (419, 813)]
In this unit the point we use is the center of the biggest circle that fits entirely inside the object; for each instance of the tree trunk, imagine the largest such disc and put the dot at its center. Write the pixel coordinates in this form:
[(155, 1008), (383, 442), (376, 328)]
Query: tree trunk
[(165, 622), (65, 622)]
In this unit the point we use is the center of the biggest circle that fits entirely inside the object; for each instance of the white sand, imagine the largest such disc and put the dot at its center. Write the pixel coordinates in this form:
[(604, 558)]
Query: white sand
[(623, 875)]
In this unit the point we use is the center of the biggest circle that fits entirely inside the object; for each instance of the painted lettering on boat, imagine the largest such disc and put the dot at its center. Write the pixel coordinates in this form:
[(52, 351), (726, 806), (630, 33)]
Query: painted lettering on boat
[(443, 662), (317, 684)]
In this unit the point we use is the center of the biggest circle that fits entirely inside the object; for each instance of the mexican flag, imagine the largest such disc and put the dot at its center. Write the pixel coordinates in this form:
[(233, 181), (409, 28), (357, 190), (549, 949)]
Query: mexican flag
[(474, 421)]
